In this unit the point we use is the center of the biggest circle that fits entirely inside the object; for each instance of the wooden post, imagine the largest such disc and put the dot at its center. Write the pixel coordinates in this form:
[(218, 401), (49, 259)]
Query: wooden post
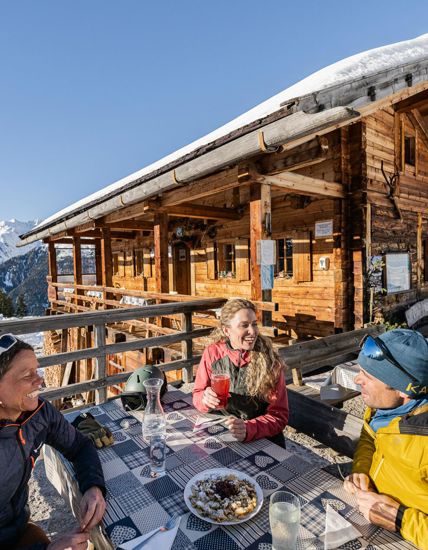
[(187, 346), (260, 219), (160, 235), (53, 272), (101, 362), (77, 265), (106, 260), (98, 263), (161, 274), (419, 251)]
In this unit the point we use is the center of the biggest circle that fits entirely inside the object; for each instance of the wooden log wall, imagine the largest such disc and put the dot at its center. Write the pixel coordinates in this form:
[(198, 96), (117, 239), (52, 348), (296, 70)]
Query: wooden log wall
[(385, 132)]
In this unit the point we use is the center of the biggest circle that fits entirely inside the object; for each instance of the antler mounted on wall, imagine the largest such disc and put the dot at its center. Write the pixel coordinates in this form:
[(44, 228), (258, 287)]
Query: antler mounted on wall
[(392, 183)]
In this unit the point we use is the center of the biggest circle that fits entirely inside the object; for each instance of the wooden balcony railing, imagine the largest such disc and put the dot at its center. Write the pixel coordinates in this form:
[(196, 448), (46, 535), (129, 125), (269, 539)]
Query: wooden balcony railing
[(69, 297), (101, 350)]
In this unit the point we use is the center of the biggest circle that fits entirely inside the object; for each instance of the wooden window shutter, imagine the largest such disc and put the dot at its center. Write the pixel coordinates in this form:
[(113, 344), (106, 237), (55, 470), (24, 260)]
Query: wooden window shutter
[(302, 258), (210, 258), (242, 260), (147, 263)]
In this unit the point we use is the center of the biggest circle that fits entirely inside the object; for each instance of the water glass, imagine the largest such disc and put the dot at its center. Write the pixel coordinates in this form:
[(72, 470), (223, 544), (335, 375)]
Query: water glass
[(157, 455), (284, 518)]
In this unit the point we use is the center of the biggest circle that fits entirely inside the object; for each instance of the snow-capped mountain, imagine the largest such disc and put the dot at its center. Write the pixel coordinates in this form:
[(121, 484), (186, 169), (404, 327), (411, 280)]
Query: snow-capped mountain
[(9, 237)]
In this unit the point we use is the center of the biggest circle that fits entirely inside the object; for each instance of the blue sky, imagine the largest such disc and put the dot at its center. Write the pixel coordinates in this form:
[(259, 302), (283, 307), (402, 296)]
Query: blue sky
[(92, 90)]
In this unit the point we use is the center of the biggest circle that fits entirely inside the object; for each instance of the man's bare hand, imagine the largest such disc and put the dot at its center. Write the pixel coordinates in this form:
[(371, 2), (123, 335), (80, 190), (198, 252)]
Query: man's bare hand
[(210, 399), (380, 510), (70, 541), (237, 427), (92, 508), (357, 482)]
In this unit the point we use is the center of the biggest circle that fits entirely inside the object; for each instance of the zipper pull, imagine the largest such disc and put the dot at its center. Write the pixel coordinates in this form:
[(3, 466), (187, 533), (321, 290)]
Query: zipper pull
[(21, 436)]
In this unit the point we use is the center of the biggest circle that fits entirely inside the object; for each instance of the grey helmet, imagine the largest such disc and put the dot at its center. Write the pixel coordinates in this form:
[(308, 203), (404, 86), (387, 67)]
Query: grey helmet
[(134, 396)]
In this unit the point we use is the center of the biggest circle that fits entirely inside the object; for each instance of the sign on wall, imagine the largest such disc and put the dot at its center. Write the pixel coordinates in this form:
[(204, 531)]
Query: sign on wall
[(397, 271), (324, 229)]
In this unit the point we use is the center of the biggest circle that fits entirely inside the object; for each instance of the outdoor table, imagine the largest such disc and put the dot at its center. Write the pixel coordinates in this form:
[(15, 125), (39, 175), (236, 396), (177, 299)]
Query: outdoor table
[(137, 504)]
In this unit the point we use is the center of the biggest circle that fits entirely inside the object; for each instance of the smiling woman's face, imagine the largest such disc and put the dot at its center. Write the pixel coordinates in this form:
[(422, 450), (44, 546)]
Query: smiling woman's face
[(242, 330), (20, 386)]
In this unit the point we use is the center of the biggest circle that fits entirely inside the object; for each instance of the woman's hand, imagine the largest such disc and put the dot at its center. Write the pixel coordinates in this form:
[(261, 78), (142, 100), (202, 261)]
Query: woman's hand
[(92, 508), (355, 482), (237, 427), (210, 399), (70, 541)]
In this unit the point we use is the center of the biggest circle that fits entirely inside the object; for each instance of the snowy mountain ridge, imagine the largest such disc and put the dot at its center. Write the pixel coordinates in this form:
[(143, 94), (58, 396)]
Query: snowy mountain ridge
[(9, 237)]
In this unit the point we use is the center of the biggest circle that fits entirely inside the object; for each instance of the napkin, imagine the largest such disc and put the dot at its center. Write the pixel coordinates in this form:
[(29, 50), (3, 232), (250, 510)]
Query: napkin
[(163, 540), (338, 531), (205, 421)]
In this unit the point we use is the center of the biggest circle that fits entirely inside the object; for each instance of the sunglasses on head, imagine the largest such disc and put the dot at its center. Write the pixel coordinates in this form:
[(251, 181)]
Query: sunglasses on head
[(374, 348), (7, 341)]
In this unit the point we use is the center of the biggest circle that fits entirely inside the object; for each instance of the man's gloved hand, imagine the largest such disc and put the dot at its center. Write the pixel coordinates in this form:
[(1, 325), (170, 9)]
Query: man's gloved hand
[(87, 425)]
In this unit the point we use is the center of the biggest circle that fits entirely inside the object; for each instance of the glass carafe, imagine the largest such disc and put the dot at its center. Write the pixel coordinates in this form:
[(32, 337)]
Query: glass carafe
[(154, 418)]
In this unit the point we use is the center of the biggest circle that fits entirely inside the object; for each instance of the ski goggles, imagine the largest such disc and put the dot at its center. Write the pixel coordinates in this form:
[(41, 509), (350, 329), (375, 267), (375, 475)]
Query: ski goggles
[(7, 341), (374, 348)]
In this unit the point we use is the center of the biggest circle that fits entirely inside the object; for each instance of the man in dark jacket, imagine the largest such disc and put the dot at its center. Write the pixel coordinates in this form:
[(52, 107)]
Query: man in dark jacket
[(26, 424)]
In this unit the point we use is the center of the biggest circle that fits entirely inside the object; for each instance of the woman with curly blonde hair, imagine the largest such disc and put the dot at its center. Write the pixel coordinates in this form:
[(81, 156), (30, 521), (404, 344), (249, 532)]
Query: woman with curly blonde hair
[(257, 404)]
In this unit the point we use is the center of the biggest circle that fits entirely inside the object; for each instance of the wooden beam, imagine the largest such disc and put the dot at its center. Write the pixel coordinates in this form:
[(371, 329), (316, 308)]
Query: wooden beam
[(202, 211), (106, 258), (77, 262), (161, 252), (98, 263), (53, 270), (419, 121), (308, 154), (419, 252), (69, 240), (126, 213), (303, 185), (260, 215), (136, 225), (413, 102), (206, 187)]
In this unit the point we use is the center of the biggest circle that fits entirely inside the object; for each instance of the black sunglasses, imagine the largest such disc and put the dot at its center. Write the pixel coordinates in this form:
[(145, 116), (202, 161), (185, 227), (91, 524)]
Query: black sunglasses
[(374, 348), (7, 341)]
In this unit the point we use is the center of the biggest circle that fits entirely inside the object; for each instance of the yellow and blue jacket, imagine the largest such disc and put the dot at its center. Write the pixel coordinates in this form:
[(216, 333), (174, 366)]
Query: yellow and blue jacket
[(396, 460)]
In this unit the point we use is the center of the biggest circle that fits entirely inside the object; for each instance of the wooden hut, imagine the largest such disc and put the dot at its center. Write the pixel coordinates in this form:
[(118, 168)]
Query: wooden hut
[(313, 204)]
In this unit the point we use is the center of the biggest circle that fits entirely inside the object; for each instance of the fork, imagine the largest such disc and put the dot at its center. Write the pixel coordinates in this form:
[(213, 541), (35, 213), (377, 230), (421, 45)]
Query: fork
[(170, 524)]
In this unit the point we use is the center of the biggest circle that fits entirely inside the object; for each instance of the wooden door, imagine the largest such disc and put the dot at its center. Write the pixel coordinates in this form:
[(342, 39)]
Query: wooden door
[(181, 256)]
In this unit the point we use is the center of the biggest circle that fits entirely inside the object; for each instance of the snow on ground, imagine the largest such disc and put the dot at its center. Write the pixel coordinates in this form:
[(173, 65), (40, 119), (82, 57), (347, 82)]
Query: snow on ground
[(348, 69)]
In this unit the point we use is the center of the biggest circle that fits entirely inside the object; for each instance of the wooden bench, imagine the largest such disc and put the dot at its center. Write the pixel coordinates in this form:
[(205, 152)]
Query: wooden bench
[(322, 420)]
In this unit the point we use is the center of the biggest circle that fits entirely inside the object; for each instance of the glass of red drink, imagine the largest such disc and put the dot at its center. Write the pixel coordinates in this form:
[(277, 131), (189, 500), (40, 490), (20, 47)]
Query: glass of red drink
[(220, 384)]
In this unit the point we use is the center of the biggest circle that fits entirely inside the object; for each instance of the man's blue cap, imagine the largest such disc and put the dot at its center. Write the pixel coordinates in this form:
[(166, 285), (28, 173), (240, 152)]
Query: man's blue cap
[(410, 349)]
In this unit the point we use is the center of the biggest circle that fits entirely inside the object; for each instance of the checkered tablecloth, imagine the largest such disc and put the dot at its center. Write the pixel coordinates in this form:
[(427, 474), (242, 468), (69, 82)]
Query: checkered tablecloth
[(136, 503)]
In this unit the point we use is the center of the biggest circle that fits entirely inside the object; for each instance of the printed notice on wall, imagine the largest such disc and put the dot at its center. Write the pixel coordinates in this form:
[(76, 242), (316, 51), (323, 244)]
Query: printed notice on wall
[(266, 252), (324, 229), (397, 268)]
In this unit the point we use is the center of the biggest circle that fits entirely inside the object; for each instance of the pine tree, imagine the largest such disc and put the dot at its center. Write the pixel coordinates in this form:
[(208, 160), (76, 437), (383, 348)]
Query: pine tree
[(21, 306), (6, 305)]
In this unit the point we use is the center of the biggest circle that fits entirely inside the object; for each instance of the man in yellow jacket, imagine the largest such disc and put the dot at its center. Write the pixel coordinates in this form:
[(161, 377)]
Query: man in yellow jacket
[(390, 467)]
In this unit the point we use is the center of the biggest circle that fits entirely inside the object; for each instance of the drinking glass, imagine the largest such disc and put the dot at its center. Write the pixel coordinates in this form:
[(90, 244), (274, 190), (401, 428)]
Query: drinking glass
[(220, 384), (284, 518)]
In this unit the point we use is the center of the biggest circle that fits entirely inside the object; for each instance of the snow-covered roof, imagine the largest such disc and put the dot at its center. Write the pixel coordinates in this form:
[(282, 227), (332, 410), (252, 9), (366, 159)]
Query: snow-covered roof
[(348, 70)]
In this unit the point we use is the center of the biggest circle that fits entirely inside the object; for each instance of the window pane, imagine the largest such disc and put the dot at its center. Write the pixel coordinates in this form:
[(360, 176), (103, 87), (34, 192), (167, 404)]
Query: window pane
[(409, 150)]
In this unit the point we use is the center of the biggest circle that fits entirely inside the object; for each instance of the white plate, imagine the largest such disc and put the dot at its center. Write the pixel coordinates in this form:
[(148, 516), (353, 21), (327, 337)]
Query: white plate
[(214, 472)]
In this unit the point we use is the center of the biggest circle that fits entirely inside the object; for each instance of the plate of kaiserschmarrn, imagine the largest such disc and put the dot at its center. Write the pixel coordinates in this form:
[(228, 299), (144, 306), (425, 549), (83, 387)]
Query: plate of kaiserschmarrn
[(223, 496)]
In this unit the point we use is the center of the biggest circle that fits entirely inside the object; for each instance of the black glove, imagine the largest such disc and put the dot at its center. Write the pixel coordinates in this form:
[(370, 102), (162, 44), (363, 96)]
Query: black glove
[(87, 425)]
